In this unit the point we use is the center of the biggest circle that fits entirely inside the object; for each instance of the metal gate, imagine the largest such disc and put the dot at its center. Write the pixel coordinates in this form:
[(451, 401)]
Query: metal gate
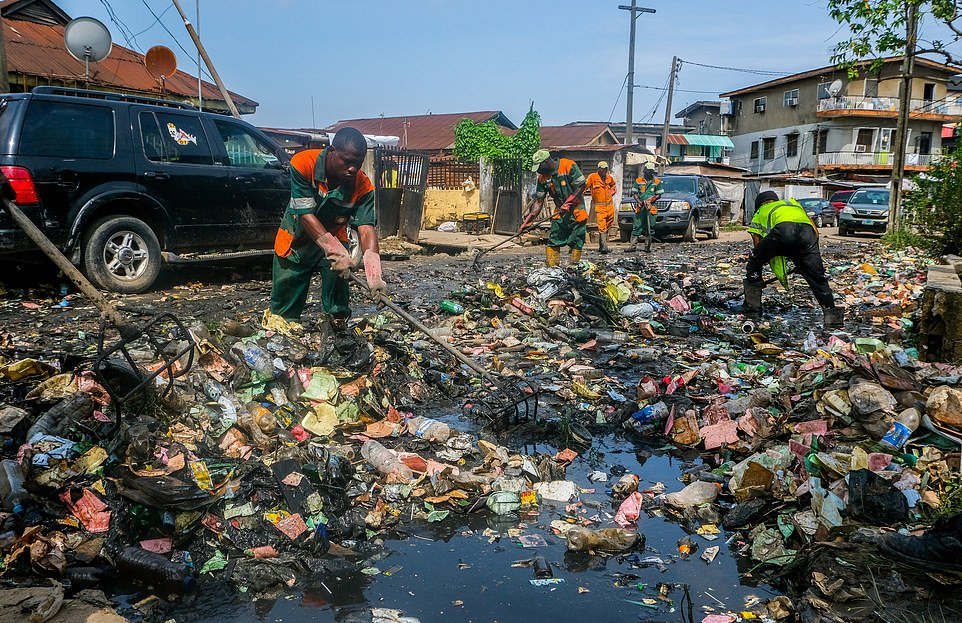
[(401, 176), (509, 196)]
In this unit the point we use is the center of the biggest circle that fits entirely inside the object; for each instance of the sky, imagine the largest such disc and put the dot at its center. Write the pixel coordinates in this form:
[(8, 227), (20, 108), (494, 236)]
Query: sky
[(407, 57)]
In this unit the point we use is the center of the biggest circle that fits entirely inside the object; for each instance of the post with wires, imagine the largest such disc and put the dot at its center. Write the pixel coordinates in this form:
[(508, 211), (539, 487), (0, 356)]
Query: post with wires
[(635, 12), (675, 64), (902, 126), (207, 61)]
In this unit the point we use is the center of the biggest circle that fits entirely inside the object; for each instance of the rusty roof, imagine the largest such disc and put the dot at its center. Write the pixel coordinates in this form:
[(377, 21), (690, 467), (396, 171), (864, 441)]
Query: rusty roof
[(37, 50), (581, 134), (423, 132)]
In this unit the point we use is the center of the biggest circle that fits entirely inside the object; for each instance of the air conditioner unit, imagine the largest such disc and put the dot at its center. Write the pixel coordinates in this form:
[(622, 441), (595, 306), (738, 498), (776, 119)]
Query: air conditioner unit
[(759, 107), (792, 101), (860, 149)]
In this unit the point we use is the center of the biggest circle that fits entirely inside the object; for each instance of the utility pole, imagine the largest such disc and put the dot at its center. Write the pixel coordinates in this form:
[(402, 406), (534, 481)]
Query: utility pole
[(4, 76), (207, 61), (635, 12), (905, 102), (667, 126), (200, 83)]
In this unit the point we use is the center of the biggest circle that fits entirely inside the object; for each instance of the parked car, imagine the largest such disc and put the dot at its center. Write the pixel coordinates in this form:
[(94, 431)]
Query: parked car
[(116, 180), (867, 210), (690, 205), (820, 211), (840, 198)]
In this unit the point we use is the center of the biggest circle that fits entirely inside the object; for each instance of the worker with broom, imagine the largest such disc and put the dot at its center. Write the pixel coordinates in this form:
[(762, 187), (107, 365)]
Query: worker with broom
[(563, 180), (646, 190), (328, 193)]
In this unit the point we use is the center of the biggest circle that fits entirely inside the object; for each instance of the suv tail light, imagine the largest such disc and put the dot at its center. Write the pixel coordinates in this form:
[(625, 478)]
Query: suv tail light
[(22, 183)]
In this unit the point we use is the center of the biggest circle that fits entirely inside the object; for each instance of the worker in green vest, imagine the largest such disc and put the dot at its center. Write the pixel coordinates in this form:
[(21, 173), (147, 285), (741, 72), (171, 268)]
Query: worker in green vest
[(782, 230), (646, 190), (564, 182)]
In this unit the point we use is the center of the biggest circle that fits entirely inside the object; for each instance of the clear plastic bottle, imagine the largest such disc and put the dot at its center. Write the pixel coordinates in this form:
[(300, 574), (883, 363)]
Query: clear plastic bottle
[(255, 357), (605, 540), (901, 429), (11, 486), (625, 486), (430, 429), (384, 461), (74, 407)]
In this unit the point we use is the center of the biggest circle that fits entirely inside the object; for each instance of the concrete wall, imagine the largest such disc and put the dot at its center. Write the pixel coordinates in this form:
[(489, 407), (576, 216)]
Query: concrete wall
[(448, 205), (940, 329)]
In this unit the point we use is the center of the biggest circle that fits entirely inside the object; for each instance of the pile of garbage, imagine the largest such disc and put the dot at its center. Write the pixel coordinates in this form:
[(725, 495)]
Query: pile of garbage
[(287, 450)]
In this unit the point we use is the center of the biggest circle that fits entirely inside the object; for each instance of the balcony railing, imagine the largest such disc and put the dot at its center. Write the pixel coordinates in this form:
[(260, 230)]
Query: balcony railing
[(872, 159), (888, 104)]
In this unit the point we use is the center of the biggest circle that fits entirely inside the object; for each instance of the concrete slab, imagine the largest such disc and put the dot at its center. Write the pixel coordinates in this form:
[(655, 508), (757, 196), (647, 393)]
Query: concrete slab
[(940, 329)]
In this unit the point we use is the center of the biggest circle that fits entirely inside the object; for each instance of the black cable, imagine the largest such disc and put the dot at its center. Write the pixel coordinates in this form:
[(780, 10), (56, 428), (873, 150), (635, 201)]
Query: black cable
[(759, 72), (618, 99), (156, 21), (164, 26)]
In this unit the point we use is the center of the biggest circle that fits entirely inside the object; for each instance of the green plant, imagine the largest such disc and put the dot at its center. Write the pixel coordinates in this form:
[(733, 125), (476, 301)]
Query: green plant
[(902, 239), (950, 498), (934, 207), (473, 140)]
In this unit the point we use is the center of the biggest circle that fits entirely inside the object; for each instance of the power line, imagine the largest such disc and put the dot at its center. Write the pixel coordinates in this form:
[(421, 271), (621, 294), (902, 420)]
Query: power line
[(125, 31), (164, 26), (645, 86), (618, 99), (759, 72), (156, 21)]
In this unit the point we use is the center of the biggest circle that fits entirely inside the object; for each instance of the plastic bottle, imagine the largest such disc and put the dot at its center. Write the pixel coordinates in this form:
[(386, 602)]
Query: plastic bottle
[(384, 461), (74, 407), (427, 428), (255, 357), (153, 569), (625, 486), (85, 577), (542, 569), (606, 540), (611, 337), (451, 307), (642, 420), (11, 486), (901, 429), (264, 419)]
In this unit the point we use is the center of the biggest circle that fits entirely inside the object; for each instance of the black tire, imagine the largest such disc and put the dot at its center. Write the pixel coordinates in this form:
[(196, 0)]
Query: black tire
[(624, 235), (689, 235), (715, 229), (819, 222), (122, 254), (843, 232)]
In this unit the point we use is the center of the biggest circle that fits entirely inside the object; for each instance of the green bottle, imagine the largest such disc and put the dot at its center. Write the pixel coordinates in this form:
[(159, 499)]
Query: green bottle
[(451, 307)]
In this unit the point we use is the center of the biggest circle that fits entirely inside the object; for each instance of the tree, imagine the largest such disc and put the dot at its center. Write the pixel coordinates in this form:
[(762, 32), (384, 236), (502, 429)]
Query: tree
[(935, 205), (879, 28), (474, 140)]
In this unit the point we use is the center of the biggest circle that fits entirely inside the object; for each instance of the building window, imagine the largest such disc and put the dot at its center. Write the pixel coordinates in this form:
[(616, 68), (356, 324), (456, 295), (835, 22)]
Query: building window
[(768, 145), (791, 98), (864, 139), (871, 87), (820, 144), (760, 104), (754, 153), (823, 92), (791, 144)]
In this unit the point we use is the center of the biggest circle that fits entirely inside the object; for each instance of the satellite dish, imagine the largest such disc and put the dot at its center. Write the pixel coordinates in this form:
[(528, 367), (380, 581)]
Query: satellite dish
[(87, 40), (835, 88), (161, 62)]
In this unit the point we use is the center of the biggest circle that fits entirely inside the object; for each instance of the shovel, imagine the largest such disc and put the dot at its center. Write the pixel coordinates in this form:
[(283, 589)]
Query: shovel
[(126, 381), (501, 399), (475, 264)]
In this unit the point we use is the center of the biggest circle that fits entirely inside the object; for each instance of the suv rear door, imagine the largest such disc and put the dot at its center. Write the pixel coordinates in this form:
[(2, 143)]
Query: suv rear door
[(69, 148), (176, 165), (259, 179)]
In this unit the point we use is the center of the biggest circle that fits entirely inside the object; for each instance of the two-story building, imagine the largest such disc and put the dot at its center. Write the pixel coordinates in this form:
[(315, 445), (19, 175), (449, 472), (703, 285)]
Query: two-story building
[(825, 123)]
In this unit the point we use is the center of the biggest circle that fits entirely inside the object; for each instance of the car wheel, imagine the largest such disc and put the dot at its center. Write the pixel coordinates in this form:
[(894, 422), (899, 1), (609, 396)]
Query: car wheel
[(122, 254), (689, 235), (715, 229), (819, 222), (842, 231), (354, 246)]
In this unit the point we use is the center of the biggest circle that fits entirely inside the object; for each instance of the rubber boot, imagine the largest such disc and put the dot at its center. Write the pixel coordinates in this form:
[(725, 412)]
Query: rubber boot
[(575, 256), (753, 298), (833, 317), (552, 256), (633, 244), (603, 243)]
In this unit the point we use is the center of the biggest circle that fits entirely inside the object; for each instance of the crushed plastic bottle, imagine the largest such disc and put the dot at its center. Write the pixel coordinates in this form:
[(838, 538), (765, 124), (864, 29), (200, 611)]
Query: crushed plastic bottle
[(255, 357), (430, 429), (11, 486), (625, 486), (384, 461), (154, 570), (74, 407), (901, 429), (605, 540)]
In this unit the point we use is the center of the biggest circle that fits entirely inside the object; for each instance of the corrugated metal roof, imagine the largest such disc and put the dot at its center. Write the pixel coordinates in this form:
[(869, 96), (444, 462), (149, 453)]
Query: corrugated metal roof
[(708, 140), (422, 132), (677, 139), (38, 50), (582, 134)]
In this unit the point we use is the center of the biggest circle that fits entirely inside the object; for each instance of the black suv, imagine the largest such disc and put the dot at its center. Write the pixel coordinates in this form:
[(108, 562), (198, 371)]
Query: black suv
[(690, 205), (114, 180)]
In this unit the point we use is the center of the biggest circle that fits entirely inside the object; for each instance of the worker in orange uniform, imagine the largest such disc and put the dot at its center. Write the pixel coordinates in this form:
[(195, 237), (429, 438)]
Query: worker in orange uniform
[(602, 187)]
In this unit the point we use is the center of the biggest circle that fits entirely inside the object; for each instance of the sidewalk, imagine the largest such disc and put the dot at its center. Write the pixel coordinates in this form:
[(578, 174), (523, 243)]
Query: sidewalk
[(460, 241)]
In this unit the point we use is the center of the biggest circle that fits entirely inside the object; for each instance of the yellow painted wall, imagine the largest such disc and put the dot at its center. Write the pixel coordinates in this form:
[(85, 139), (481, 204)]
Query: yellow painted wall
[(448, 205)]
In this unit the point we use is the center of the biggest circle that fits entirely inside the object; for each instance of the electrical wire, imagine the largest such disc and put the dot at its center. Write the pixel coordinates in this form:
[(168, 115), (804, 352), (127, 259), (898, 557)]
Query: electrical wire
[(618, 99), (125, 31), (758, 72), (156, 21), (164, 26), (645, 86)]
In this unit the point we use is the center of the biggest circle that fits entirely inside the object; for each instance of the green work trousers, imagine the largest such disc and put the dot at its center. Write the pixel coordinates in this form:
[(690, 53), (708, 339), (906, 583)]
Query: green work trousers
[(567, 232), (644, 221), (291, 281)]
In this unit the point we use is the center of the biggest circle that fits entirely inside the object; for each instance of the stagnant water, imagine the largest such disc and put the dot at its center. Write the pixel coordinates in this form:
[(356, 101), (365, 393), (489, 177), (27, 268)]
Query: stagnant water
[(450, 571)]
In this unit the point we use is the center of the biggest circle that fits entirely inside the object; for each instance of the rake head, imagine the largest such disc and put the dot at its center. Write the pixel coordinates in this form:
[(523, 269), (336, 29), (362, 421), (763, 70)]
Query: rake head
[(506, 403)]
